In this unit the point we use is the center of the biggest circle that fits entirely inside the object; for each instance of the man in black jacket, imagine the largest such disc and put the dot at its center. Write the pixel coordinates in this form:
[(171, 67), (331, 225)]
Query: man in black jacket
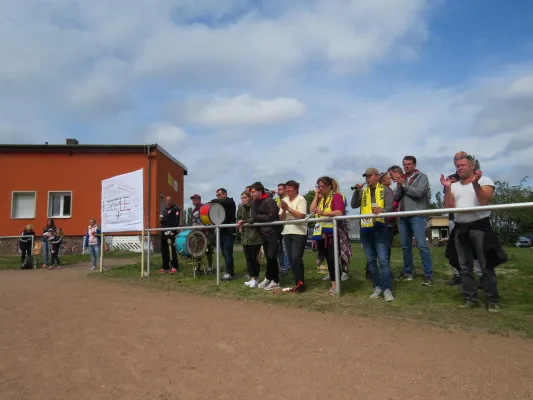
[(227, 234), (265, 209), (169, 218)]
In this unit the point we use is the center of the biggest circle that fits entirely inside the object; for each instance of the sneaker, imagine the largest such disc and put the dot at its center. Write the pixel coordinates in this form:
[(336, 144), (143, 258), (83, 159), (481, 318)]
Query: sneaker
[(173, 271), (44, 266), (162, 271), (227, 277), (92, 269), (326, 278), (427, 281), (51, 267), (456, 280), (344, 276), (376, 293), (493, 308), (272, 285), (404, 277), (388, 295), (468, 305), (264, 284), (299, 288), (104, 269), (59, 267), (253, 284), (248, 283)]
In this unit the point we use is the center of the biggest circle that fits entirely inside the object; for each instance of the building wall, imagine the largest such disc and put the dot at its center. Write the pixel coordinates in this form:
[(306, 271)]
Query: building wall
[(79, 173), (163, 186)]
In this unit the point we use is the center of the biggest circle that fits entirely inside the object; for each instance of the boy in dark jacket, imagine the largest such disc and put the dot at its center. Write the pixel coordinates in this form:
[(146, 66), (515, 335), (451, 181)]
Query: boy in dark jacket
[(169, 218), (265, 209), (26, 241)]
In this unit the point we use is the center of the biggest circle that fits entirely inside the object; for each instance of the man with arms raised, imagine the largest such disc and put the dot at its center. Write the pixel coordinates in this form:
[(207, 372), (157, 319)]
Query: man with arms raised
[(473, 231), (412, 194)]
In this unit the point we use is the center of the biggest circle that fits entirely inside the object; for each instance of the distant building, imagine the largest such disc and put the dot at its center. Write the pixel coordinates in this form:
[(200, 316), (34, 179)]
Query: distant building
[(63, 182), (437, 230)]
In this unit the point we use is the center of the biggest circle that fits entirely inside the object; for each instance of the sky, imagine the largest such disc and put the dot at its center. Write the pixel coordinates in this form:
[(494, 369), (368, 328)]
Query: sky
[(271, 90)]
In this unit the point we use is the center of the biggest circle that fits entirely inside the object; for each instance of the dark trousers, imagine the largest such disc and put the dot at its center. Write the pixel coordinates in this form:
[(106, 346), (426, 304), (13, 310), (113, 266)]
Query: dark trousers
[(270, 247), (55, 254), (390, 233), (252, 261), (25, 249), (469, 244), (226, 247), (165, 253), (295, 245), (327, 249)]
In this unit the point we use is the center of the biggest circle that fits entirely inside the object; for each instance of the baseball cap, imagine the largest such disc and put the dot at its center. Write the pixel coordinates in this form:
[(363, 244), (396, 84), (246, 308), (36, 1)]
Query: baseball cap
[(196, 196), (371, 171)]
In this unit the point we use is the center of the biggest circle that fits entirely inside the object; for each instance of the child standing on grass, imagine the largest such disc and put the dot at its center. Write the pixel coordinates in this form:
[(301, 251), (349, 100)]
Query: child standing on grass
[(55, 242)]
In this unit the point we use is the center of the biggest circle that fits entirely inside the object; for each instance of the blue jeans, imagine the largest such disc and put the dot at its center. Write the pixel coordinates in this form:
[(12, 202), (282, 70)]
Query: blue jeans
[(45, 251), (94, 251), (376, 247), (409, 227), (226, 247), (283, 259)]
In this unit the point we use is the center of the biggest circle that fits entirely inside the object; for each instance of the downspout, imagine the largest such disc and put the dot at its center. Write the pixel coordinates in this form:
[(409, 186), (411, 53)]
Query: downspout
[(148, 153)]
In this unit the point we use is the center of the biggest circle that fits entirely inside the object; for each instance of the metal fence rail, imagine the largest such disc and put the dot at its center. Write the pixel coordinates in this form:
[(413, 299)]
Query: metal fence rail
[(400, 214)]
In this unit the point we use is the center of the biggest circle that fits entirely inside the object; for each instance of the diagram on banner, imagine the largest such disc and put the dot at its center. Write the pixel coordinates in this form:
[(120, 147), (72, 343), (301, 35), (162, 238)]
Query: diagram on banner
[(122, 202)]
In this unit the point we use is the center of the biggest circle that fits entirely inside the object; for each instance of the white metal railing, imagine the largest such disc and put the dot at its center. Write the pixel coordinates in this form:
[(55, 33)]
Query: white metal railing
[(401, 214), (18, 237)]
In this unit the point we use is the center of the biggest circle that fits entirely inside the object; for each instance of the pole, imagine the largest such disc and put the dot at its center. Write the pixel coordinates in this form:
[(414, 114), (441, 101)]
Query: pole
[(142, 253), (33, 255), (102, 253), (217, 231), (148, 256), (336, 253)]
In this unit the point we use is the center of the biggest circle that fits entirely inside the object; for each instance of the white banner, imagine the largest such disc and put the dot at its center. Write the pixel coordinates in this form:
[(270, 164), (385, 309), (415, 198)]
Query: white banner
[(122, 203)]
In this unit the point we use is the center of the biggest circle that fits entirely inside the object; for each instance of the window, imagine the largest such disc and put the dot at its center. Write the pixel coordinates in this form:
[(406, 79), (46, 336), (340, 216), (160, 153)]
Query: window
[(59, 204), (23, 205)]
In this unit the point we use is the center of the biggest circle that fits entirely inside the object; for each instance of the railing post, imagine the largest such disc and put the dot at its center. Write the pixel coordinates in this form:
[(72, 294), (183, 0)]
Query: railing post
[(217, 232), (336, 253), (148, 256)]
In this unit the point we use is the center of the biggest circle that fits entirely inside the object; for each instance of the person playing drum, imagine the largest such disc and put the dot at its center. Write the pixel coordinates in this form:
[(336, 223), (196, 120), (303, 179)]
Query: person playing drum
[(210, 233)]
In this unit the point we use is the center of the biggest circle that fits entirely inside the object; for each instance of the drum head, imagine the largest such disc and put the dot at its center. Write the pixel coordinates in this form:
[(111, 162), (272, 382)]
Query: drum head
[(196, 243), (217, 214)]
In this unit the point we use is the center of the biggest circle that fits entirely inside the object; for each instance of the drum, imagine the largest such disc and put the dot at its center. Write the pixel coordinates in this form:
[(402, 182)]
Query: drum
[(212, 214), (191, 243)]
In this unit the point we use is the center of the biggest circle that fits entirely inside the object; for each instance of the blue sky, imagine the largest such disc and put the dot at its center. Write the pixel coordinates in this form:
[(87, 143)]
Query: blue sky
[(243, 90)]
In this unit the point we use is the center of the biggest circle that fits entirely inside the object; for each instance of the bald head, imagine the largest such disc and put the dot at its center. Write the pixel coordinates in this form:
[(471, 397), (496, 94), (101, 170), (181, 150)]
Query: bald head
[(168, 201)]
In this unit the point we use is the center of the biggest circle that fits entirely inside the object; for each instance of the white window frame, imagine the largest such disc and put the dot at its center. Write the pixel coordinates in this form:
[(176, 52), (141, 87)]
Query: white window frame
[(15, 192), (63, 192)]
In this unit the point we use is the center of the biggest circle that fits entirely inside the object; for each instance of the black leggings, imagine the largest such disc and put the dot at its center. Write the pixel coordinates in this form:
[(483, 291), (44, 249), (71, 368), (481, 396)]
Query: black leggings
[(252, 261), (55, 254), (25, 248), (270, 247), (326, 248)]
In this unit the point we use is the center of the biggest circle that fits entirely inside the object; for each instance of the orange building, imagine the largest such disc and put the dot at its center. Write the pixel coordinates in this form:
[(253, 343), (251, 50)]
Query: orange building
[(63, 182)]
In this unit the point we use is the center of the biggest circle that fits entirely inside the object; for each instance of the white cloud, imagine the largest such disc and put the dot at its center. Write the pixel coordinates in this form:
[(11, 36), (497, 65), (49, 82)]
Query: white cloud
[(243, 110), (171, 137)]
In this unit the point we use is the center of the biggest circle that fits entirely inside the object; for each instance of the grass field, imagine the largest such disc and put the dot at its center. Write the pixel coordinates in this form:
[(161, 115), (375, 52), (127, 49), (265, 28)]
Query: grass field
[(436, 305)]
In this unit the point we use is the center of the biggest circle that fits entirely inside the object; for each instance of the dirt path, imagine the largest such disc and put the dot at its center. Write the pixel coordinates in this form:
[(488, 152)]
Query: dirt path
[(64, 336)]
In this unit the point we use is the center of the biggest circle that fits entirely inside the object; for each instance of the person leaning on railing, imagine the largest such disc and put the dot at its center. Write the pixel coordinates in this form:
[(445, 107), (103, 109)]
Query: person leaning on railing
[(473, 232), (250, 239)]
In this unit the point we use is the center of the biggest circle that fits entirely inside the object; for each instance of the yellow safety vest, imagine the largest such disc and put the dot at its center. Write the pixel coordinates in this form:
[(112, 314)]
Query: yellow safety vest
[(323, 227), (366, 205)]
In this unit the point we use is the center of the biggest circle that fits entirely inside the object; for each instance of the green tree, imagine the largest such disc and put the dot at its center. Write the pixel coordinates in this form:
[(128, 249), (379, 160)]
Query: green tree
[(438, 200), (510, 224), (309, 197)]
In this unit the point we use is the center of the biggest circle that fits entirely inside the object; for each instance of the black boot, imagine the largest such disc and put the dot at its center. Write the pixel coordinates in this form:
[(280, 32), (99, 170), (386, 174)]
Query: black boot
[(455, 280)]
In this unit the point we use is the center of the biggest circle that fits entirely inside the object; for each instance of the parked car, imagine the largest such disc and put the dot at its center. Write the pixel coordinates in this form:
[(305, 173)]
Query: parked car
[(523, 242)]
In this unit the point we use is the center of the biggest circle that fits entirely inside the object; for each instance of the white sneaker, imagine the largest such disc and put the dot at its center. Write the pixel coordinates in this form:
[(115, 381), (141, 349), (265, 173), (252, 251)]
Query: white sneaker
[(376, 293), (92, 269), (388, 295), (247, 283), (253, 284), (326, 278), (344, 276), (272, 285), (264, 284)]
